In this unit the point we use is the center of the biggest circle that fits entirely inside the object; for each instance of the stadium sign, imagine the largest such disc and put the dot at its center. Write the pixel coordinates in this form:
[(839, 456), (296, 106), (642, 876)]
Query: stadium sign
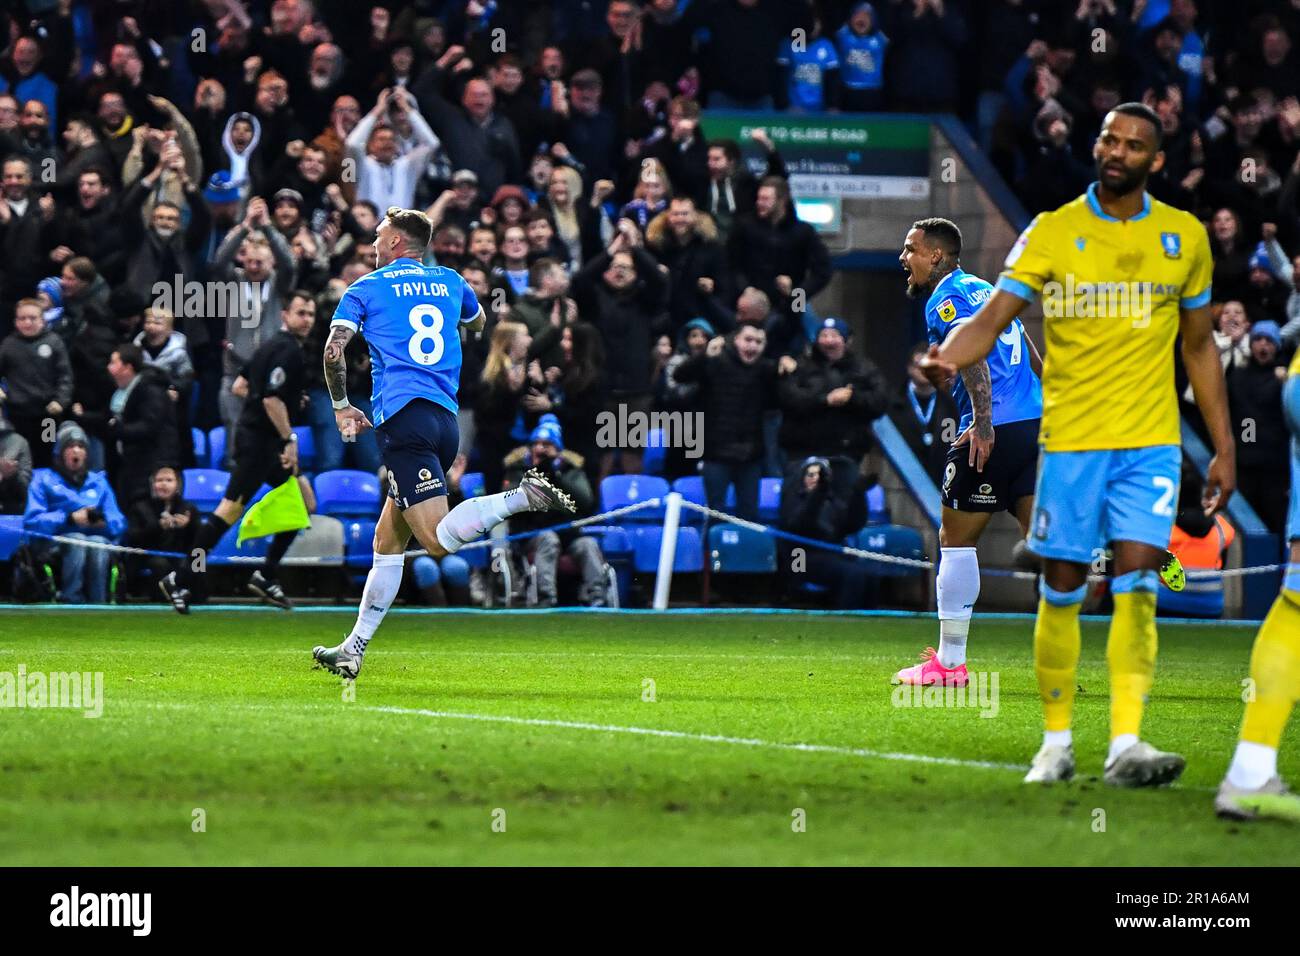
[(849, 157)]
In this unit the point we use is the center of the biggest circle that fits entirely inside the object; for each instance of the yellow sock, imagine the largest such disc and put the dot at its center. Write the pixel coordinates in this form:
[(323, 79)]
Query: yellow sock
[(1131, 650), (1275, 669), (1056, 654)]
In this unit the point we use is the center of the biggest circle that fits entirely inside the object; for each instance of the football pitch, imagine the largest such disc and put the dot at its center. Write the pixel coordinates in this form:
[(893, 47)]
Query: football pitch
[(594, 739)]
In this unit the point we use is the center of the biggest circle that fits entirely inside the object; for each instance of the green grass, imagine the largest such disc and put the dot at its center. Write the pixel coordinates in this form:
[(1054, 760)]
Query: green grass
[(223, 712)]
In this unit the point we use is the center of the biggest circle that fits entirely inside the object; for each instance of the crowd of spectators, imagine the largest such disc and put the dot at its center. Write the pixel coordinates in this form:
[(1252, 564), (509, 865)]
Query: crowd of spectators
[(627, 262)]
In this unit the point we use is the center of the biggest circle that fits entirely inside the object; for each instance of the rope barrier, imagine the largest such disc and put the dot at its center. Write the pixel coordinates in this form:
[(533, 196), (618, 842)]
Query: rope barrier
[(921, 564), (223, 559), (918, 563)]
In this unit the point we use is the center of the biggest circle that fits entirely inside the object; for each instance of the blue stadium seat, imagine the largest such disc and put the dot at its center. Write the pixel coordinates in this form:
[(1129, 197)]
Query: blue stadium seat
[(1202, 597), (200, 447), (688, 559), (217, 446), (11, 535), (769, 500), (306, 448), (652, 461), (891, 539), (619, 491), (253, 547), (877, 506), (348, 494), (615, 542), (471, 484), (737, 550), (692, 489), (358, 543), (205, 487)]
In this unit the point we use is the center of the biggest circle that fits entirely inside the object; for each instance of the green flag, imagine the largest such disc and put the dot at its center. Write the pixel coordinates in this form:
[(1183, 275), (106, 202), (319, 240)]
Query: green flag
[(281, 510)]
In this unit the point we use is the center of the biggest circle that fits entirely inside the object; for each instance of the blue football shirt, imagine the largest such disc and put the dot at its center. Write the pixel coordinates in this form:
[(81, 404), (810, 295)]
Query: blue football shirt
[(1017, 392), (808, 68), (862, 58), (410, 315)]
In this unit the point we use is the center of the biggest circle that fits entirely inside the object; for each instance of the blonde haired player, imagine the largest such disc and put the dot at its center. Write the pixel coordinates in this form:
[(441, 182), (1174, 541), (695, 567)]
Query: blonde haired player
[(411, 315), (1121, 275), (1252, 788)]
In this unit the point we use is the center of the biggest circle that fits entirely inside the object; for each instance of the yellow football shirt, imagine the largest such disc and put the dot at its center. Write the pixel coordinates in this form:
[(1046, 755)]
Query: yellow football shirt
[(1111, 293)]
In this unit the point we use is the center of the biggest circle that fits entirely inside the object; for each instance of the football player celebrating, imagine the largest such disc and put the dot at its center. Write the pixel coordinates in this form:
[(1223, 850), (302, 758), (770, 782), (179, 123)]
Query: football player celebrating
[(1001, 401), (410, 315), (1121, 275)]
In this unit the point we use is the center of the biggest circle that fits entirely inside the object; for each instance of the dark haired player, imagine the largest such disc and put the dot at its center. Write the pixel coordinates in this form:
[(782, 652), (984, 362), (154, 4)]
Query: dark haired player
[(1121, 276), (1001, 400)]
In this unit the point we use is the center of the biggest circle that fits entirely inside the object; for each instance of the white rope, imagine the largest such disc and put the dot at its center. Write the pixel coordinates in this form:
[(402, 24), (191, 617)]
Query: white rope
[(1195, 574), (842, 549)]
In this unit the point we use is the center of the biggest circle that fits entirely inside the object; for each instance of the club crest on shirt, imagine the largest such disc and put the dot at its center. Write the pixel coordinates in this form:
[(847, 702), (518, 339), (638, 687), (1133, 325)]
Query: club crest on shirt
[(947, 311), (1172, 243)]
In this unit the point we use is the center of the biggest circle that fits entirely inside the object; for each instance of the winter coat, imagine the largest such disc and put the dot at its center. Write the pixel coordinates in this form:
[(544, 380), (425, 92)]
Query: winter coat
[(629, 321), (242, 335), (1255, 396), (54, 496), (700, 257), (760, 251), (174, 360), (13, 490), (144, 531), (732, 396), (810, 426), (35, 372)]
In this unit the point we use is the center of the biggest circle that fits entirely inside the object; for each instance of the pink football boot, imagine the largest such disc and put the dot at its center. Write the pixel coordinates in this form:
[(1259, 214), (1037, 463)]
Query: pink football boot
[(930, 671)]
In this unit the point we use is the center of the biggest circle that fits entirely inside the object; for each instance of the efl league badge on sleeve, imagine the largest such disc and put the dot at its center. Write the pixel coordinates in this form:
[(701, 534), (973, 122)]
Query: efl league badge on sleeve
[(947, 311), (1172, 243)]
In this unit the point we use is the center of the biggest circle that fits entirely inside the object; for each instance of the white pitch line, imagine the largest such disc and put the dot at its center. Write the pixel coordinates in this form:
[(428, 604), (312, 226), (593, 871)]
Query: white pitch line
[(706, 738)]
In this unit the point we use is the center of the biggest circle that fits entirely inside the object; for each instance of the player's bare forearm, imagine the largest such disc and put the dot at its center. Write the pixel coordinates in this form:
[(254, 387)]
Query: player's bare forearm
[(972, 341), (1035, 357), (979, 386), (278, 413), (336, 366), (476, 325), (1205, 372)]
